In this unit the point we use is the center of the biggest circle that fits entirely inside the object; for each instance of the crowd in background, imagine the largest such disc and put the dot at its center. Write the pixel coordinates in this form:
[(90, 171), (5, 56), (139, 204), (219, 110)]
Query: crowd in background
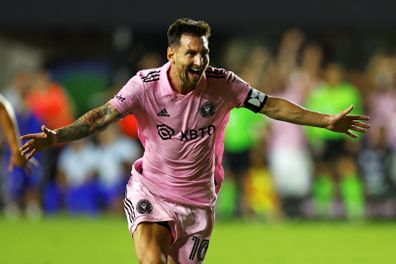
[(273, 169)]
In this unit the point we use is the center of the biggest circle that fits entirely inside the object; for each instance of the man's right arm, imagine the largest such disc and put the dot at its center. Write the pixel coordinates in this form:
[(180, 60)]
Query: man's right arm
[(92, 122)]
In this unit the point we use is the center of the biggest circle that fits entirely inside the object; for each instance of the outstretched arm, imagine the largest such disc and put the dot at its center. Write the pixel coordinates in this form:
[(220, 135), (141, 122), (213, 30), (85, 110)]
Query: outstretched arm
[(342, 122), (93, 121), (7, 120)]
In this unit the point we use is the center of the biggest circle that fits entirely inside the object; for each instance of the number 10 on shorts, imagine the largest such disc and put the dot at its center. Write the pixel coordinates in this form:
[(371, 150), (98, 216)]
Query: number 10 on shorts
[(199, 248)]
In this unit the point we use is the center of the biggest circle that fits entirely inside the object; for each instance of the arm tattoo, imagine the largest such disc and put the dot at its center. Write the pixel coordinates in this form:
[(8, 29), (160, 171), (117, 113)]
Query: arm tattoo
[(93, 121)]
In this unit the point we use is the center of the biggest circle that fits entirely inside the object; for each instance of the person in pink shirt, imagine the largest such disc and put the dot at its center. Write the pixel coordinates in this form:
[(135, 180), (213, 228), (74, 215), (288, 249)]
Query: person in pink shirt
[(182, 109)]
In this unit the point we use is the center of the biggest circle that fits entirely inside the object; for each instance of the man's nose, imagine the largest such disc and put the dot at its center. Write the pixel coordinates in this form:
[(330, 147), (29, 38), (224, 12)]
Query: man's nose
[(198, 60)]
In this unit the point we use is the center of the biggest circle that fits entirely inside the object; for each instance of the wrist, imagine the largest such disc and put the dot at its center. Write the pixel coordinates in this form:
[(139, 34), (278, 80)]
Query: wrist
[(327, 121)]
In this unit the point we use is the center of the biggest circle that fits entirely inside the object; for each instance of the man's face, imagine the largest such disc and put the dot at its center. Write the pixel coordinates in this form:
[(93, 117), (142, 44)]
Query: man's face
[(190, 58)]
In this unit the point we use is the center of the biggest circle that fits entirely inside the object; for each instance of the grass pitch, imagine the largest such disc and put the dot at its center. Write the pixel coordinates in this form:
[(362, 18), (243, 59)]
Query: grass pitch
[(106, 240)]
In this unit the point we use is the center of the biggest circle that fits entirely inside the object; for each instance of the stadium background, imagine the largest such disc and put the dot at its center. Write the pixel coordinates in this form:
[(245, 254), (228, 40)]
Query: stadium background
[(90, 48)]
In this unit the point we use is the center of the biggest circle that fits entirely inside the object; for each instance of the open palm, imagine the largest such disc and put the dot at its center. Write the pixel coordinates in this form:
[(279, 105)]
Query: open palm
[(348, 124), (38, 141)]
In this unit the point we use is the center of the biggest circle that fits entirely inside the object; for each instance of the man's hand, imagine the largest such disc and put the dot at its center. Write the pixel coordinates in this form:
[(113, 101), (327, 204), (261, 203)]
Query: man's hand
[(37, 142), (344, 123)]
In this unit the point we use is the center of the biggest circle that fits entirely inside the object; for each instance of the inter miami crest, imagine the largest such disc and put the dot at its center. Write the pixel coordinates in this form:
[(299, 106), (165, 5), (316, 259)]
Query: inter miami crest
[(144, 207), (207, 109)]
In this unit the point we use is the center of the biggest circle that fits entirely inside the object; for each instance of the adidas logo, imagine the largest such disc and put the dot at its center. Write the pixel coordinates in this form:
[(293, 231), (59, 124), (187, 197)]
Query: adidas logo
[(163, 112)]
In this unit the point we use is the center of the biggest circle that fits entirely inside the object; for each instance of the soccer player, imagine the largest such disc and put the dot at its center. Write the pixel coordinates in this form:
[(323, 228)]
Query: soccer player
[(182, 109), (8, 122)]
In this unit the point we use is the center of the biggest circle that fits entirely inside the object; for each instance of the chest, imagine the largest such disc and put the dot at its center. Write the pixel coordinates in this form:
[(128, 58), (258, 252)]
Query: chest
[(192, 111), (191, 117)]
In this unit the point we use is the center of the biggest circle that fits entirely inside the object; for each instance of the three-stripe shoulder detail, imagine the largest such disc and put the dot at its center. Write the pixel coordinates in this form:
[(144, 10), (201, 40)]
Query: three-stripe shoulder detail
[(216, 73), (151, 76)]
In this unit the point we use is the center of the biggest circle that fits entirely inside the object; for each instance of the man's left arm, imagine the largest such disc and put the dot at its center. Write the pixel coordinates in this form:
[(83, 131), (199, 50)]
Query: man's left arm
[(343, 122)]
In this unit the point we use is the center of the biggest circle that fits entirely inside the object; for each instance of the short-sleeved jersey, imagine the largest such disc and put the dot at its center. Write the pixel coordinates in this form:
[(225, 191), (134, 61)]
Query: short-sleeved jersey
[(182, 134)]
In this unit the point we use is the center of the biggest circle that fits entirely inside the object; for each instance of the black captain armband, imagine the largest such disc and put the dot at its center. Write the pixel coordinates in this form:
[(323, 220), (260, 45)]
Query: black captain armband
[(255, 100)]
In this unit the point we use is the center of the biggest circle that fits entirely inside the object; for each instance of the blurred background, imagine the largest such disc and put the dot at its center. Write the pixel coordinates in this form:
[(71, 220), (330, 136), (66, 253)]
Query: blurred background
[(61, 59)]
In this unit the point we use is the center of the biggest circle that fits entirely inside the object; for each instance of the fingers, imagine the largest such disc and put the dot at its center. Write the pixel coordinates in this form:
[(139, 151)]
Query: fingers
[(347, 111), (352, 135), (358, 129), (28, 150), (359, 117), (30, 154), (360, 124), (30, 136), (26, 146)]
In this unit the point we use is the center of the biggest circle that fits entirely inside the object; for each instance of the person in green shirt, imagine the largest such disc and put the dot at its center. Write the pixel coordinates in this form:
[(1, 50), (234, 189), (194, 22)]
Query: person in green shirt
[(335, 157)]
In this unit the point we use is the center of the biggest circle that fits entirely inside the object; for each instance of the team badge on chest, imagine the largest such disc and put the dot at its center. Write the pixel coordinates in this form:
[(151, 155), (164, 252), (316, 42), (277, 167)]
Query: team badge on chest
[(207, 109)]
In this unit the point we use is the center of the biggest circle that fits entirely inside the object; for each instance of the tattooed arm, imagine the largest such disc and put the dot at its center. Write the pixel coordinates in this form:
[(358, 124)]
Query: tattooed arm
[(93, 121)]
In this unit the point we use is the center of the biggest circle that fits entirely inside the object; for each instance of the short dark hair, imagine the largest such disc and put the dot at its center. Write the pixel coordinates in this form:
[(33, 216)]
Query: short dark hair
[(187, 26)]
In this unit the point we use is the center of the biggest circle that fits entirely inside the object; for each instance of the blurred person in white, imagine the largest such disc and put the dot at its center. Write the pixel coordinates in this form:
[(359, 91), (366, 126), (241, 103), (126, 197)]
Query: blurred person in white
[(288, 153), (114, 154), (76, 177)]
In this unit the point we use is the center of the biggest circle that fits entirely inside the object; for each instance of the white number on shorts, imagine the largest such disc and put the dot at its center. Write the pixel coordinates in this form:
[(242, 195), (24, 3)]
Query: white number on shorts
[(199, 249)]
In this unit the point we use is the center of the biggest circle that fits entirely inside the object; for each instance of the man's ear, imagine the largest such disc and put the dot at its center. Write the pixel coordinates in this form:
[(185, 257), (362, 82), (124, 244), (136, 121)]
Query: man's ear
[(170, 54)]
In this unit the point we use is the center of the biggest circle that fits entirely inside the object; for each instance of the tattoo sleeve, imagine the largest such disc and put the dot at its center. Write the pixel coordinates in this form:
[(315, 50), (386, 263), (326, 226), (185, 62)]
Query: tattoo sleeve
[(93, 121)]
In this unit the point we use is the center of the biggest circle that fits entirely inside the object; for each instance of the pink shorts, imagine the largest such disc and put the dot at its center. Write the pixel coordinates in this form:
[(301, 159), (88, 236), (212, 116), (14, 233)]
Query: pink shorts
[(191, 226)]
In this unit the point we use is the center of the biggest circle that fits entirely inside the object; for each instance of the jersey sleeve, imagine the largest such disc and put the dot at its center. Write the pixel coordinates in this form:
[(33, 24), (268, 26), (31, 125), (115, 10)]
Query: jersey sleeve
[(238, 89), (243, 95), (128, 100)]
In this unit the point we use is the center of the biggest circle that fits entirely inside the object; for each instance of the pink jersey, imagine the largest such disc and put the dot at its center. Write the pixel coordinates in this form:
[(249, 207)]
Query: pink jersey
[(182, 134)]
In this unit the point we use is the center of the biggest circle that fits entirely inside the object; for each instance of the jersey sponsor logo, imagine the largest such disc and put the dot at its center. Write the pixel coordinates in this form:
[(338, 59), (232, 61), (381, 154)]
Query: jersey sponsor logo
[(191, 134), (163, 112), (255, 100), (144, 206), (165, 132), (151, 76), (207, 109), (120, 98)]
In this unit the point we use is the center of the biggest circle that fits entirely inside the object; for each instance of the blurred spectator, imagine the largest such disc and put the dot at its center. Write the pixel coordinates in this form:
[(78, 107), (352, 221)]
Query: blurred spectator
[(76, 180), (115, 153), (381, 100), (239, 138), (261, 193), (375, 162), (288, 153), (311, 64), (334, 155), (50, 102), (23, 183)]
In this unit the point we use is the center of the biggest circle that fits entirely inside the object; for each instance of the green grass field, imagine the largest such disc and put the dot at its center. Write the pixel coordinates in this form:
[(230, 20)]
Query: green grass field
[(106, 240)]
